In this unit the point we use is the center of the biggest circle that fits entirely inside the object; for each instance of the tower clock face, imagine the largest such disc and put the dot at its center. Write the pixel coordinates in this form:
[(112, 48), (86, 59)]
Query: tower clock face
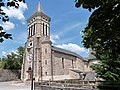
[(30, 44)]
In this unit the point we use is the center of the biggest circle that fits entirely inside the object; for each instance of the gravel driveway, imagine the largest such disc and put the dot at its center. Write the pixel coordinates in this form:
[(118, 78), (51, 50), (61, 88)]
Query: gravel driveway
[(12, 86)]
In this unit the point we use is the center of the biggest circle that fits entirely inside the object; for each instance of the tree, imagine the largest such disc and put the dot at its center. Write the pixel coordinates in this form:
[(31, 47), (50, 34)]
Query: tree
[(13, 60), (20, 56), (0, 63), (5, 18), (102, 34)]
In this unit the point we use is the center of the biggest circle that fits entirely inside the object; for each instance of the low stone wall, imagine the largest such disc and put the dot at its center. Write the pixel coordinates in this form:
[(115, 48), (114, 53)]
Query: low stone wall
[(72, 84), (8, 75)]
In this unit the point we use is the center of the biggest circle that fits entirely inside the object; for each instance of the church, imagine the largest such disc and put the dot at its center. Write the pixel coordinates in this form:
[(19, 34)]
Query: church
[(47, 61)]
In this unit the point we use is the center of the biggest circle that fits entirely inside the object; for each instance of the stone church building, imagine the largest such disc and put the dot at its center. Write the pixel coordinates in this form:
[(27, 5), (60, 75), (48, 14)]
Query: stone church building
[(47, 61)]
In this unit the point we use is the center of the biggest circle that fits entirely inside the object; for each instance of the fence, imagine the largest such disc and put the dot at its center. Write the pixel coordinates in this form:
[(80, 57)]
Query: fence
[(74, 84)]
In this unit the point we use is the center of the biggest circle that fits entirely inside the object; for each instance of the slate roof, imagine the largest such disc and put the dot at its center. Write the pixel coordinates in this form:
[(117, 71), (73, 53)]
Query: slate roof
[(90, 76), (38, 11), (66, 52), (39, 8)]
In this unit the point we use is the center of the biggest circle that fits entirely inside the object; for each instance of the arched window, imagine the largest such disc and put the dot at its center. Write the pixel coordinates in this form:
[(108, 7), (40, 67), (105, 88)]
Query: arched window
[(46, 62), (72, 64), (29, 69), (43, 28), (33, 29), (63, 62), (46, 29), (29, 31), (45, 50), (46, 73)]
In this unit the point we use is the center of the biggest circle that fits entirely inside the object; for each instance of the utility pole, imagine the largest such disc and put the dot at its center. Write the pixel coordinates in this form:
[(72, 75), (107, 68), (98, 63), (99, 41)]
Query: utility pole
[(32, 83), (52, 53)]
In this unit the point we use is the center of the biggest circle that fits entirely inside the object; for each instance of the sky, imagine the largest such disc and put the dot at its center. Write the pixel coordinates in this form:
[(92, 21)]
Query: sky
[(67, 23)]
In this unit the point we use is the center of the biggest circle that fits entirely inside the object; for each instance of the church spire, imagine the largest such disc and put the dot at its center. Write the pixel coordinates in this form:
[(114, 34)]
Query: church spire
[(39, 8)]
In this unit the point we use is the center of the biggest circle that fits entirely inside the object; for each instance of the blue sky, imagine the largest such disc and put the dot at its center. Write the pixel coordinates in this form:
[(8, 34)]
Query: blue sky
[(67, 23)]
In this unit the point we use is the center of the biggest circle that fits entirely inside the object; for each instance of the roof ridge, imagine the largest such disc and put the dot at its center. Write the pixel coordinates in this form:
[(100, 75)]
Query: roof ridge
[(66, 51)]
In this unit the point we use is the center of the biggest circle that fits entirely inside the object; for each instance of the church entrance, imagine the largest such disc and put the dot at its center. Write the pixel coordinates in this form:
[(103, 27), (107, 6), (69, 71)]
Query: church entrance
[(29, 73)]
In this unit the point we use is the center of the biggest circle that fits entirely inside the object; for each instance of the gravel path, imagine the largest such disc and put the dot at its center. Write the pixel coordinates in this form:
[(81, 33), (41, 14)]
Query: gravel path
[(12, 86)]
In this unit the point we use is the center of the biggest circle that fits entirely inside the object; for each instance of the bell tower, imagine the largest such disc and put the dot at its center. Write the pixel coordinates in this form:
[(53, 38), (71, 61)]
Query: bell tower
[(39, 23), (38, 31)]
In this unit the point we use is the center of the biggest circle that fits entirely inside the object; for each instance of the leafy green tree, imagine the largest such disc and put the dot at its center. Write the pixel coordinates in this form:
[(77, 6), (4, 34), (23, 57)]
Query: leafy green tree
[(10, 59), (102, 35), (13, 60), (0, 63), (5, 18), (20, 55)]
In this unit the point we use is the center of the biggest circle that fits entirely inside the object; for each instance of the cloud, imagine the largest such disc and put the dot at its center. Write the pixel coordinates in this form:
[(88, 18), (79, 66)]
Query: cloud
[(68, 28), (73, 47), (21, 38), (3, 53), (16, 13), (56, 21), (53, 38), (7, 25), (74, 26), (81, 33), (9, 52), (13, 51), (65, 29)]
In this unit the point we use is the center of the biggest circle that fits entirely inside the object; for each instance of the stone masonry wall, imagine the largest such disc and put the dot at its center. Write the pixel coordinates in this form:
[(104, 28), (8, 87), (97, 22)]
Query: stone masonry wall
[(62, 68), (8, 75)]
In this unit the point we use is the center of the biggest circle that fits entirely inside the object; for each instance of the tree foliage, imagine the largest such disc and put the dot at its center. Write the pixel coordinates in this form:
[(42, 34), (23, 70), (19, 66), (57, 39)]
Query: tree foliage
[(5, 18), (13, 60), (102, 34)]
